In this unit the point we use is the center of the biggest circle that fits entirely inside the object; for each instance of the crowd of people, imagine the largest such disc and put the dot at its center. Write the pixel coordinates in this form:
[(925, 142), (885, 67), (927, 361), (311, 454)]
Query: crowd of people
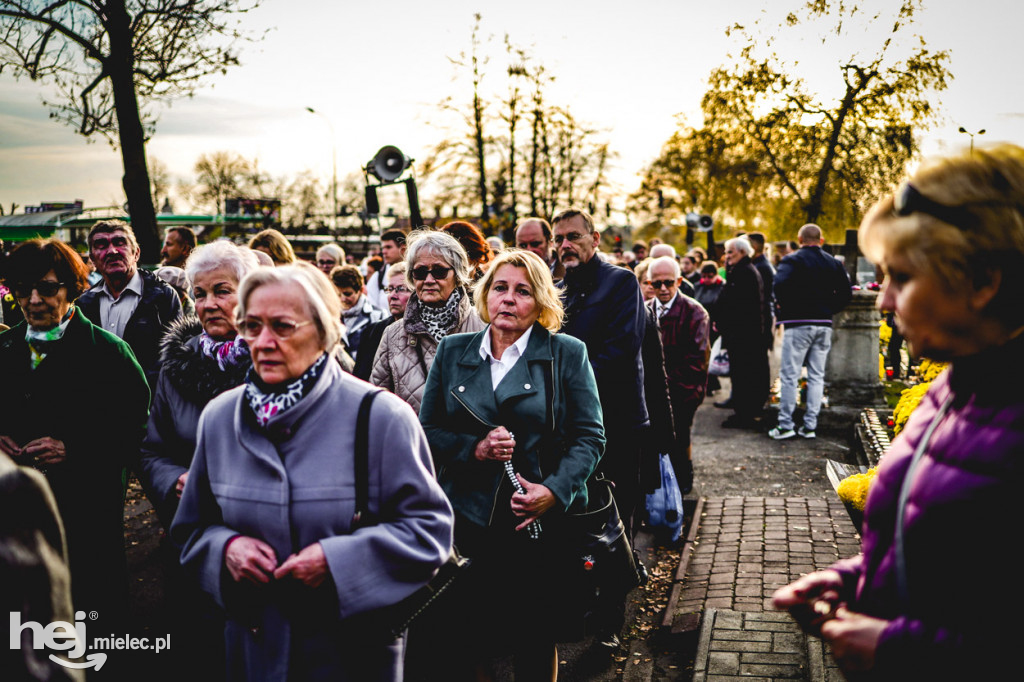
[(480, 389)]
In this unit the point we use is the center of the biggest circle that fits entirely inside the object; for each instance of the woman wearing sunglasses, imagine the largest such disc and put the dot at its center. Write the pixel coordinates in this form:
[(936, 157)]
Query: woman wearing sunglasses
[(931, 596), (266, 518), (73, 404), (438, 271)]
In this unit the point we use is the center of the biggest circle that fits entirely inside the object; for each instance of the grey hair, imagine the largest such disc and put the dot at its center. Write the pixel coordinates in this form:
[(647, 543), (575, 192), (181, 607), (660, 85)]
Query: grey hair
[(220, 254), (441, 245), (322, 301), (662, 250), (335, 251), (742, 245), (665, 260), (399, 268)]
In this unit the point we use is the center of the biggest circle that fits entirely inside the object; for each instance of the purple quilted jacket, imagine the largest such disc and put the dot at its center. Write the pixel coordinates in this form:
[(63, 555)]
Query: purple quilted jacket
[(962, 524)]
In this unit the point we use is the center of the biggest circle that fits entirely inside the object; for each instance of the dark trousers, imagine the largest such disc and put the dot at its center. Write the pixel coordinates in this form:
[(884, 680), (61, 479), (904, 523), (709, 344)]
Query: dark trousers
[(751, 377)]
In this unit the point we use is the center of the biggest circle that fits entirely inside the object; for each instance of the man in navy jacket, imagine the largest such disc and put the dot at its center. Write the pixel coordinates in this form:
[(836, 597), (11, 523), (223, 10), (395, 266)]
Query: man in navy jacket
[(604, 309), (810, 287)]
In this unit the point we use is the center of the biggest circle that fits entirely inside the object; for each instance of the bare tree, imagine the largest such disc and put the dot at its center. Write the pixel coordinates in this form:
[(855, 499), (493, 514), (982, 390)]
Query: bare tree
[(221, 175), (110, 59)]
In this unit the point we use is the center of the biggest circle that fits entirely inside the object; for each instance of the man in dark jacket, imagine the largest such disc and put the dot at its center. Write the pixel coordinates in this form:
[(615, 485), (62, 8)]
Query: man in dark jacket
[(685, 328), (739, 316), (130, 303), (604, 309), (810, 287), (767, 272)]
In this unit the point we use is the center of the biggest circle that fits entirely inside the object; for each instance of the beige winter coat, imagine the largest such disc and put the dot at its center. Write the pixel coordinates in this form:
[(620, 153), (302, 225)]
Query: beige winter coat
[(398, 366)]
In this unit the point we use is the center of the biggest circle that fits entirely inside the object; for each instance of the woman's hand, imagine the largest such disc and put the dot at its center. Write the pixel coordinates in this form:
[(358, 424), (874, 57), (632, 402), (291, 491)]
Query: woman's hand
[(497, 446), (179, 487), (250, 559), (802, 597), (532, 505), (854, 640), (45, 450), (309, 566)]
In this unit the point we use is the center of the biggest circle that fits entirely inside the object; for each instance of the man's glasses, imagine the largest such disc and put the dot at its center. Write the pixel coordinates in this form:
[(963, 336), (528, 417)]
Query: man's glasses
[(572, 236), (667, 283), (530, 245), (252, 327), (400, 289), (909, 200), (436, 271), (46, 288)]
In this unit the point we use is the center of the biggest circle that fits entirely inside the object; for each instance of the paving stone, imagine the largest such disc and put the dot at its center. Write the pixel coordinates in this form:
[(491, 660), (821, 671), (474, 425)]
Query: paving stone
[(737, 635), (775, 672), (723, 663), (731, 645)]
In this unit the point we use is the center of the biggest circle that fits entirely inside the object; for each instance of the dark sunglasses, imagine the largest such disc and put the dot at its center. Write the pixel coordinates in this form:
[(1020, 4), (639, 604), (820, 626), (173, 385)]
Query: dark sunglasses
[(909, 200), (46, 288), (435, 271), (667, 283)]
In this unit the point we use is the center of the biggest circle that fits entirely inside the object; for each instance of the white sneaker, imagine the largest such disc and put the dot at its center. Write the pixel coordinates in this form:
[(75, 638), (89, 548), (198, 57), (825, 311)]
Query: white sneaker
[(779, 434), (804, 433)]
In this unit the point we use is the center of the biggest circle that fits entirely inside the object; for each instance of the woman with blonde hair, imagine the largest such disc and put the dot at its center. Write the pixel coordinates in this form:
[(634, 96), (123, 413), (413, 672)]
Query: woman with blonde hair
[(924, 599), (275, 245), (516, 399)]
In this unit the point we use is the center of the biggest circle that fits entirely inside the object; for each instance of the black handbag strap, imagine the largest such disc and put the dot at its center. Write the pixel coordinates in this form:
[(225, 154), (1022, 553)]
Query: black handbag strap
[(361, 457)]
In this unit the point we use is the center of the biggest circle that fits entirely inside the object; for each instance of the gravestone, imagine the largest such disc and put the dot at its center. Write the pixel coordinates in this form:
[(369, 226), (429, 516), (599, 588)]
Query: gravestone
[(851, 374)]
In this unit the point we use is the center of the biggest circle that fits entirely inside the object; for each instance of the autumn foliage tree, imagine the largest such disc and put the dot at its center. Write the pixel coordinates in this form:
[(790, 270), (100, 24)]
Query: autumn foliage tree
[(774, 152), (511, 152), (108, 62)]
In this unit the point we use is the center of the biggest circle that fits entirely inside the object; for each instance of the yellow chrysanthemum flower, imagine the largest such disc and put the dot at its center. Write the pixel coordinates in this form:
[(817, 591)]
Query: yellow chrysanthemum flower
[(854, 489)]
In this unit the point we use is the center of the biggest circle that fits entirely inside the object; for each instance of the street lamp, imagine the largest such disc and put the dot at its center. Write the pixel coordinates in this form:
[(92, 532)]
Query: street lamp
[(967, 132), (334, 167)]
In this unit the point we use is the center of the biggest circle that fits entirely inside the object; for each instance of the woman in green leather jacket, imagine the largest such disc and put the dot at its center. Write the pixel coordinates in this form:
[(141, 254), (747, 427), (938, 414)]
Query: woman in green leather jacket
[(513, 396)]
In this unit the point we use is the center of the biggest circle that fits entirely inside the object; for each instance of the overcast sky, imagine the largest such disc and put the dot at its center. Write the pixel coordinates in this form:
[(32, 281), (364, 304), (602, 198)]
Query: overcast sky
[(378, 70)]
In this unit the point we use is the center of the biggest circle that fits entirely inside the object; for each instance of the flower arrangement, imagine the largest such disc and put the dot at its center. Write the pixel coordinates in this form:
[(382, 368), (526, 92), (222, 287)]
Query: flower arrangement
[(909, 400), (854, 489), (884, 334), (929, 369)]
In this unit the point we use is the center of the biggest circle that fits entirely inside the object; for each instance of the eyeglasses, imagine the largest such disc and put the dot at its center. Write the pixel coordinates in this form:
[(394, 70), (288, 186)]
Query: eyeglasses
[(396, 290), (435, 271), (909, 200), (252, 327), (530, 245), (45, 287), (572, 236), (667, 283)]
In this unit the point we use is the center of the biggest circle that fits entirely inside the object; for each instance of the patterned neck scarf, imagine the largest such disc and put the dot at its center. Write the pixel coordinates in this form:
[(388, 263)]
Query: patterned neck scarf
[(39, 341), (442, 320), (268, 401), (228, 354)]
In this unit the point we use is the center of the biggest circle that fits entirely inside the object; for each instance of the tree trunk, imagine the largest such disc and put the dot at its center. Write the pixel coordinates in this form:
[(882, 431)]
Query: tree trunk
[(814, 205), (120, 66)]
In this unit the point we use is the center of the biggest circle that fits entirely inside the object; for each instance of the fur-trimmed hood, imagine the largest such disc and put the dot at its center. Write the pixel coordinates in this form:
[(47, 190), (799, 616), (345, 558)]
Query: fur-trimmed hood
[(195, 376)]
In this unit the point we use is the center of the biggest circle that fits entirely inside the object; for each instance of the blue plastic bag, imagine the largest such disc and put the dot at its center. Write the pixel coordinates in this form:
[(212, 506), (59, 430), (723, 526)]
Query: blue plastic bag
[(665, 505)]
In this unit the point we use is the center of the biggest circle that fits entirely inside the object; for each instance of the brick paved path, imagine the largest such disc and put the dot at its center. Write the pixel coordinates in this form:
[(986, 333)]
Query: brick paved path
[(745, 548)]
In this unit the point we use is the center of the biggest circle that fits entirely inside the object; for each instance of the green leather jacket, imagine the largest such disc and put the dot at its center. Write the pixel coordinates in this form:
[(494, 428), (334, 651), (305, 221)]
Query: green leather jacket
[(548, 400)]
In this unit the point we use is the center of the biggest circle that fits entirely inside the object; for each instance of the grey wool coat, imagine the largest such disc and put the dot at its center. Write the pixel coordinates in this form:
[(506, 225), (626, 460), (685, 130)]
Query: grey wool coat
[(297, 489)]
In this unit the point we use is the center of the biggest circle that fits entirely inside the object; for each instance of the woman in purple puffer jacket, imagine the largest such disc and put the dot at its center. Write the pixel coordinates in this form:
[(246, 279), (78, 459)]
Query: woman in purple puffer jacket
[(931, 595)]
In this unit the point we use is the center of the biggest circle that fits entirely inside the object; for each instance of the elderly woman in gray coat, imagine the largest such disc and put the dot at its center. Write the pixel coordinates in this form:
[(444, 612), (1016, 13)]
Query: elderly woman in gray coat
[(266, 518), (438, 271)]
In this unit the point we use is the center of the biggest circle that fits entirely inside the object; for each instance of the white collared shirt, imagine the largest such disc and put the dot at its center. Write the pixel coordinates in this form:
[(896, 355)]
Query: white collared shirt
[(115, 313), (499, 368), (664, 307)]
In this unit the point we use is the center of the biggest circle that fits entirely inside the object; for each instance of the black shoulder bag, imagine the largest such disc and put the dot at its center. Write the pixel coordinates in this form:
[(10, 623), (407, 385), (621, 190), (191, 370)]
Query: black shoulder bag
[(391, 622)]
